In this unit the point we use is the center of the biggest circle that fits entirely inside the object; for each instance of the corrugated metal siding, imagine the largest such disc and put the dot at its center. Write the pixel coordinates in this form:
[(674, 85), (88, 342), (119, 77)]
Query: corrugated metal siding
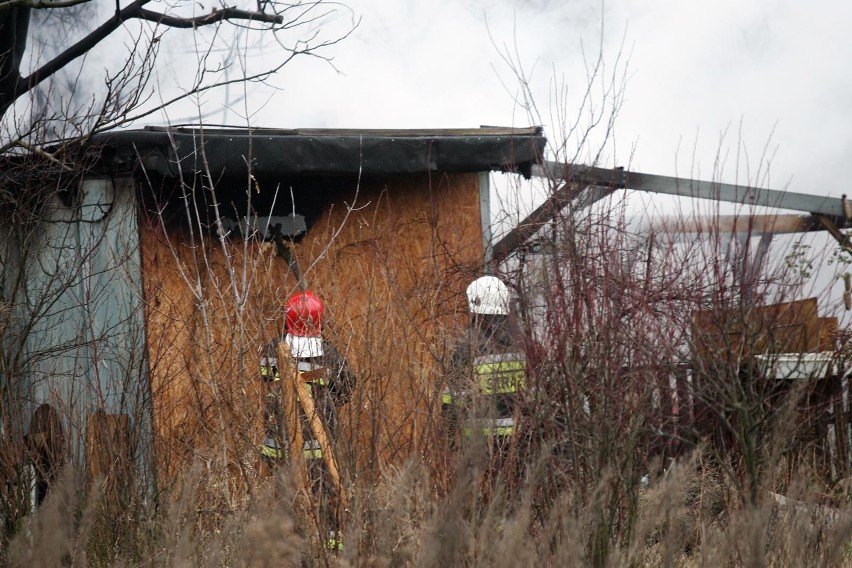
[(83, 298)]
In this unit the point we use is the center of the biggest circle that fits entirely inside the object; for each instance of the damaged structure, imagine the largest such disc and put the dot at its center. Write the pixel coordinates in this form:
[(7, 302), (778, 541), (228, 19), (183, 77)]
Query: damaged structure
[(143, 288)]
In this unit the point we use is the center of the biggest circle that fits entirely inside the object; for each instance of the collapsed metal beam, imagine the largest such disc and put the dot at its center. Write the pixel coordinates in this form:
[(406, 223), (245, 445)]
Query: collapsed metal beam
[(603, 182), (830, 206), (619, 178)]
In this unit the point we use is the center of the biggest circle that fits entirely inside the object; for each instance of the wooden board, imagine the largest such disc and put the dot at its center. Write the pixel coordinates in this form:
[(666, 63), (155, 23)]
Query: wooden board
[(828, 333), (109, 454), (789, 327)]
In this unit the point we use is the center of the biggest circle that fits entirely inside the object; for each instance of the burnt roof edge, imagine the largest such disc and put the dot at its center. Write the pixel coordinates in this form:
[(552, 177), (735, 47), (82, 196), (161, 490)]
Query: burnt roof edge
[(176, 152)]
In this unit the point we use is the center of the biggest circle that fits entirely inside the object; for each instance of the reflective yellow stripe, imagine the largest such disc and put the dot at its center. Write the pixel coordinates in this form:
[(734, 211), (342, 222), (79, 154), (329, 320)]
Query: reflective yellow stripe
[(267, 371), (320, 382), (268, 366), (311, 373), (501, 366), (501, 377), (310, 386), (271, 452), (334, 543), (311, 450), (498, 431)]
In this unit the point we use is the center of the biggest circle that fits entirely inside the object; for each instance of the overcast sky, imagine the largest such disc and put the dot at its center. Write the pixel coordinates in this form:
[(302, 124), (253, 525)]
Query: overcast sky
[(772, 73), (751, 92), (766, 77)]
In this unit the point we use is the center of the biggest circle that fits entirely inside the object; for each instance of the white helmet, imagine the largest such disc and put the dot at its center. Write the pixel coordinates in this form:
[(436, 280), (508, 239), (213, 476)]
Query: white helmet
[(488, 295)]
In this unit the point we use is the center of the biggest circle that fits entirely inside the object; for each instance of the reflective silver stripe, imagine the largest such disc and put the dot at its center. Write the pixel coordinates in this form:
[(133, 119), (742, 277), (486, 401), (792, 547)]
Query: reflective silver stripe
[(311, 449), (491, 423), (271, 449), (490, 427), (307, 367), (498, 358)]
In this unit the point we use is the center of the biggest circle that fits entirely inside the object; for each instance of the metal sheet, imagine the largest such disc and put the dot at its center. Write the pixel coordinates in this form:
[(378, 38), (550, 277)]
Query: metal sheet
[(85, 350), (485, 214)]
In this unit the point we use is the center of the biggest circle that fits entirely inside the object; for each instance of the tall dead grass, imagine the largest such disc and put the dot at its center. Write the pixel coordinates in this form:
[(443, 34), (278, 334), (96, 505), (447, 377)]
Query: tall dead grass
[(689, 515)]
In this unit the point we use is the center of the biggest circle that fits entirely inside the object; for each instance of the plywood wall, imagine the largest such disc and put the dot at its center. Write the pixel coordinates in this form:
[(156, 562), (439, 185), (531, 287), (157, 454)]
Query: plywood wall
[(390, 258), (789, 327), (393, 280)]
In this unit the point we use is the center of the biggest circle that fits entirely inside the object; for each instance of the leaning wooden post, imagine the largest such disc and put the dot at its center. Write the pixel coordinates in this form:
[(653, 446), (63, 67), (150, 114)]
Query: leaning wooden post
[(289, 375), (317, 427)]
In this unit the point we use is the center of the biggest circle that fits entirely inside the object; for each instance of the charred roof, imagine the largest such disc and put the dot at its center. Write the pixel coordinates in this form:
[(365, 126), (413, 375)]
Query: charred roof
[(184, 151)]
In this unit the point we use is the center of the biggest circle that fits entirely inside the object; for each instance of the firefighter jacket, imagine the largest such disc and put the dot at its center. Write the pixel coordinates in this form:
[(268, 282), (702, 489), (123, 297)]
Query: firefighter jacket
[(486, 377), (330, 382)]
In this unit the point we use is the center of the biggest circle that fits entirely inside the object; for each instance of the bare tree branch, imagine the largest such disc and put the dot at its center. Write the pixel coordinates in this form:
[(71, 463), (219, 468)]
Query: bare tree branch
[(211, 18), (41, 4), (44, 154), (78, 49), (134, 10)]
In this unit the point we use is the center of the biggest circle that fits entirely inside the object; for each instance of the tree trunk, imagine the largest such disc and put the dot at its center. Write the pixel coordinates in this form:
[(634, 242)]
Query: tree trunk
[(14, 25)]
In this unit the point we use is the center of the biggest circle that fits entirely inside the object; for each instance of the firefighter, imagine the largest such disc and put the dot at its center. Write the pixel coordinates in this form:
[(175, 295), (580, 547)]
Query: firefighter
[(487, 374), (330, 383), (274, 446)]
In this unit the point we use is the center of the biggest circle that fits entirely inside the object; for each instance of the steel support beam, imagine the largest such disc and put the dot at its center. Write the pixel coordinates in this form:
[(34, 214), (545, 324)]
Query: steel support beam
[(830, 212), (830, 206), (716, 191)]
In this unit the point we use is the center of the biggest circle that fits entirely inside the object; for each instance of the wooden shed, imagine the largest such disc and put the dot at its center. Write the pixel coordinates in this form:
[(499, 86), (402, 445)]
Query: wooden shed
[(386, 226)]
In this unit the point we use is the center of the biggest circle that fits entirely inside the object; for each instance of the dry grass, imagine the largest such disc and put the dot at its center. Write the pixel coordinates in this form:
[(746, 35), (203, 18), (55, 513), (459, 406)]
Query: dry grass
[(689, 515)]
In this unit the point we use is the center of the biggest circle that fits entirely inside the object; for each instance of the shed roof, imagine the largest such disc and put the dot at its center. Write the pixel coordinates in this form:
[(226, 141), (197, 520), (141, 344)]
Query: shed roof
[(177, 151)]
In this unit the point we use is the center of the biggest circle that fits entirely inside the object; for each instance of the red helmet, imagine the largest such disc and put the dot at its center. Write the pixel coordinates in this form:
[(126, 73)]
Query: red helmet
[(304, 324)]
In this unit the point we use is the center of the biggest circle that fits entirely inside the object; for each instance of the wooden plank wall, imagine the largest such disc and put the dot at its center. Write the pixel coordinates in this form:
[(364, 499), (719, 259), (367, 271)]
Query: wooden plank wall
[(391, 263), (779, 328), (724, 344)]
